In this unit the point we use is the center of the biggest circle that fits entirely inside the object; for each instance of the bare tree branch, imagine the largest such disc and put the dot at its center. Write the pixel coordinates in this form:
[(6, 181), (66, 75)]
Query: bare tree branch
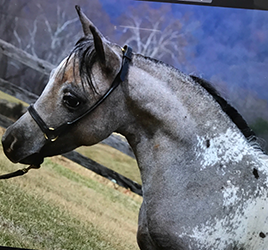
[(154, 36)]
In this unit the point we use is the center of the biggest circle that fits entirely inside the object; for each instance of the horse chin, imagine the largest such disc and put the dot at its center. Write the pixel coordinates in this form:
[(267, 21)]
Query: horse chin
[(34, 159), (37, 159)]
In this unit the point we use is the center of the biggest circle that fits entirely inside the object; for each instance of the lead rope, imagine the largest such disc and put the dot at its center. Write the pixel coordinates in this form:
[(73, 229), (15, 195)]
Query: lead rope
[(18, 172)]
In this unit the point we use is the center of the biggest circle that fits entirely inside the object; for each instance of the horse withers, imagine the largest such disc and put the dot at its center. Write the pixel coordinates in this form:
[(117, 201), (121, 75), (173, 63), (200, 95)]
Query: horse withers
[(204, 180)]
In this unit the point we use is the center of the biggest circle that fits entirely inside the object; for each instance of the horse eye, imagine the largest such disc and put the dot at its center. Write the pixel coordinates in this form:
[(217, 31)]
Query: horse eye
[(71, 101)]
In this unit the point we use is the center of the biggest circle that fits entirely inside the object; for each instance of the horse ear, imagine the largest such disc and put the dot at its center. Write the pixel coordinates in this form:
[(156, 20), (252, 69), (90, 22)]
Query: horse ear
[(90, 29), (84, 21), (98, 43), (101, 46)]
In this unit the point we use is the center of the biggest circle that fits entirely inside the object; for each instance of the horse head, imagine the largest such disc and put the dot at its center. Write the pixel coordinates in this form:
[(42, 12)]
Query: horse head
[(77, 85)]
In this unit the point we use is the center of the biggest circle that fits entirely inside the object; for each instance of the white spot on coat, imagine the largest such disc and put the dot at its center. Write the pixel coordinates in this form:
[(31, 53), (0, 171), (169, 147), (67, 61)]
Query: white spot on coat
[(224, 148)]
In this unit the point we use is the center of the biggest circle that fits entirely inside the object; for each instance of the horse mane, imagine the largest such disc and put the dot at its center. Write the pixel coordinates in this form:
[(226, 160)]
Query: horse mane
[(232, 113)]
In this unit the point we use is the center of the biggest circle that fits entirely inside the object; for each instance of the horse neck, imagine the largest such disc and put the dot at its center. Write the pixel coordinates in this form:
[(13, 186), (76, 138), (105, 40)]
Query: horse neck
[(173, 118), (163, 100)]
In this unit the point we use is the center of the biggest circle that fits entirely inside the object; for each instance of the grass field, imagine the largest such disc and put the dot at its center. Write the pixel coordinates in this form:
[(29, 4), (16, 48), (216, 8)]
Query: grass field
[(64, 206), (113, 159), (10, 98)]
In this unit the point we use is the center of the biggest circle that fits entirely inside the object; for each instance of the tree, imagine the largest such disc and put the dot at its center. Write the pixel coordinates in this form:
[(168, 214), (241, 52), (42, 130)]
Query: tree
[(152, 32), (7, 27), (45, 29)]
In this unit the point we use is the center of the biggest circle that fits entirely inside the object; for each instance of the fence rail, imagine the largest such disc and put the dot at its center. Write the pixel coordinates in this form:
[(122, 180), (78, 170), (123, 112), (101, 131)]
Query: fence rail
[(44, 67), (25, 58)]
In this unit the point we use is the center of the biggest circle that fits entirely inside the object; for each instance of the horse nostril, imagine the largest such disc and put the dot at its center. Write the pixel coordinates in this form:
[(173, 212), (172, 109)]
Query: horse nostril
[(10, 146), (9, 150), (9, 142)]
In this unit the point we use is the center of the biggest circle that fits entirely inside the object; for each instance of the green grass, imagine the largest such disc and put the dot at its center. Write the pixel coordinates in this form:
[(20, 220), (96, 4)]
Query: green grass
[(106, 191), (10, 98), (114, 159), (27, 221), (65, 206)]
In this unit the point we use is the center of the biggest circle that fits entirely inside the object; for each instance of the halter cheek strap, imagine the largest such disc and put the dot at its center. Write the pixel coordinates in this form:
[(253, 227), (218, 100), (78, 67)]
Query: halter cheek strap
[(51, 134)]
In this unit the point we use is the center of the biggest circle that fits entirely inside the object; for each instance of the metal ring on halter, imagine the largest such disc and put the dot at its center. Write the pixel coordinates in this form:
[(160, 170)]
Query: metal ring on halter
[(48, 138)]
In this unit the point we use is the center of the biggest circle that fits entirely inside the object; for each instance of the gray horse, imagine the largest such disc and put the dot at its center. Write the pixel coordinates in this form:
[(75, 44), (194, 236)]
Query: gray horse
[(204, 180)]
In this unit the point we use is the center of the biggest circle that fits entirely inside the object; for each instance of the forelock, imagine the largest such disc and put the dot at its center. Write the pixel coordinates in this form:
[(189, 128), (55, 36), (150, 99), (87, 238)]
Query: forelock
[(83, 54)]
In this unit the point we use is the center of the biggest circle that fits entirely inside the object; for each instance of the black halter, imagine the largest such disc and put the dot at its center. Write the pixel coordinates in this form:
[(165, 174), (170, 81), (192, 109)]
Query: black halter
[(51, 134)]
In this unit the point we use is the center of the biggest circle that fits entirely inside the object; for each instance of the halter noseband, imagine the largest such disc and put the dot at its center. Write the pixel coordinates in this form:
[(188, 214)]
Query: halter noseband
[(52, 134)]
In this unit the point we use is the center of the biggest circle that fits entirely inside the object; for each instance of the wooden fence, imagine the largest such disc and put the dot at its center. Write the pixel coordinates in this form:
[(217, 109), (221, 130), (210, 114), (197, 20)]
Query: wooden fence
[(44, 67)]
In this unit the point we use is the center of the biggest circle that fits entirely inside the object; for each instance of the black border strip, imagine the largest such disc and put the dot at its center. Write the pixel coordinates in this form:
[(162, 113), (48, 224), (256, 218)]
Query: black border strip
[(241, 4), (13, 248)]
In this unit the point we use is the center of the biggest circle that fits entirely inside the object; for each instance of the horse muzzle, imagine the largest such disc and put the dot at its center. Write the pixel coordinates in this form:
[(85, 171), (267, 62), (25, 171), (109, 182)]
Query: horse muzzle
[(14, 149)]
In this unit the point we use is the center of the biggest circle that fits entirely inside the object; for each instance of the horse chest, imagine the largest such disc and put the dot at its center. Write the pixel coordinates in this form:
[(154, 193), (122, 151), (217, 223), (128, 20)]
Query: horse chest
[(216, 207), (199, 226)]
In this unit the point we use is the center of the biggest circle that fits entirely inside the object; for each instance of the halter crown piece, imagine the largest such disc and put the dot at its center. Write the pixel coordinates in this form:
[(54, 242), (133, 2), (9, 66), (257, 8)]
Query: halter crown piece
[(52, 134)]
